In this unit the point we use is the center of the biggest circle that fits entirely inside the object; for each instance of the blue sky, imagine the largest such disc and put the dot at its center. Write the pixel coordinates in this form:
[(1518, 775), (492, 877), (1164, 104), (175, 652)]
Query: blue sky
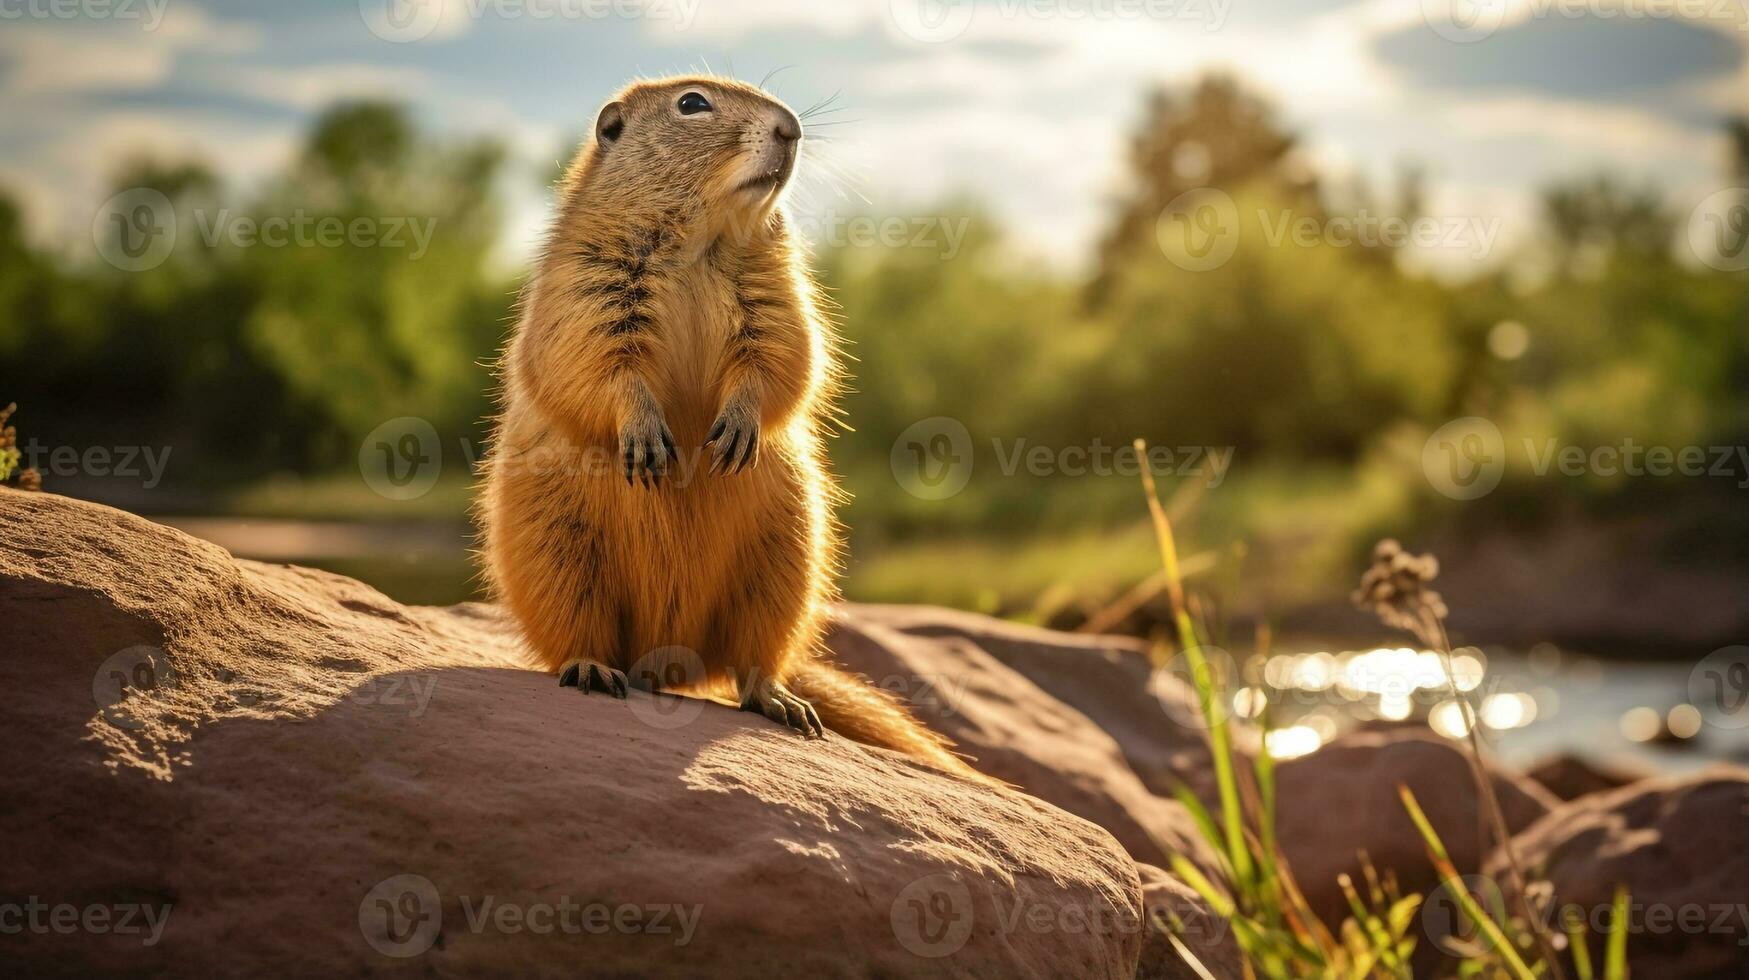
[(1024, 103)]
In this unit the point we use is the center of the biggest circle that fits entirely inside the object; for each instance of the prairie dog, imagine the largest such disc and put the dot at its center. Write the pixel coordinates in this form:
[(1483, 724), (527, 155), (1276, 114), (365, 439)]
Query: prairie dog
[(656, 501)]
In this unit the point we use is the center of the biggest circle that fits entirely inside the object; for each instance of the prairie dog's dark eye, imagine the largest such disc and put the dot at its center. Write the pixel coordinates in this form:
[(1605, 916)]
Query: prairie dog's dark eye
[(693, 103)]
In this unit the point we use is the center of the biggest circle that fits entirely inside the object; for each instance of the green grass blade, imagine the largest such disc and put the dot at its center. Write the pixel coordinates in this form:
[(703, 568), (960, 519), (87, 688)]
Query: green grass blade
[(1576, 941), (1207, 690), (1455, 883), (1615, 960)]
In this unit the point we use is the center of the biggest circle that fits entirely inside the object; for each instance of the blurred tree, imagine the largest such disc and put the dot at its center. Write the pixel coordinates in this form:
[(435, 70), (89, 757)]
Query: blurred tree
[(394, 311), (1737, 129), (1595, 219), (1217, 135)]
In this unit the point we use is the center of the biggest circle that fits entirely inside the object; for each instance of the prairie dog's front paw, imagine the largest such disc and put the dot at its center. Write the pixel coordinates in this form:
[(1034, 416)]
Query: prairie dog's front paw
[(646, 447), (734, 439)]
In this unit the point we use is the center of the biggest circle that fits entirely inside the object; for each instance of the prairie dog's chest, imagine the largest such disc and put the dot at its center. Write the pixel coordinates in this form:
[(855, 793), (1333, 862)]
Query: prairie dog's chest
[(700, 309), (695, 322)]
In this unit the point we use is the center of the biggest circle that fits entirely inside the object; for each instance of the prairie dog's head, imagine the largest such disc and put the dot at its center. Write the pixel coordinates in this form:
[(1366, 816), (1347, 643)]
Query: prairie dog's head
[(722, 143)]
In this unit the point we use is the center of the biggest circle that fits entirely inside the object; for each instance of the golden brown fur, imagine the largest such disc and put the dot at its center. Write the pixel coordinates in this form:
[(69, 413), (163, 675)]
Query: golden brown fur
[(669, 332)]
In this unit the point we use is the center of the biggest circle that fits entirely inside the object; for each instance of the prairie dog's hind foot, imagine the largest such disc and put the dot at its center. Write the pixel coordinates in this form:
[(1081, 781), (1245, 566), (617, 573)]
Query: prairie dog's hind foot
[(771, 699), (587, 675)]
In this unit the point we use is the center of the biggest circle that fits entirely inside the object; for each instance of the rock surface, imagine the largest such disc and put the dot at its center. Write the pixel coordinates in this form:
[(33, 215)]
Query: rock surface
[(1151, 716), (1342, 800), (1207, 936), (1570, 777), (1680, 846), (1014, 729), (213, 766)]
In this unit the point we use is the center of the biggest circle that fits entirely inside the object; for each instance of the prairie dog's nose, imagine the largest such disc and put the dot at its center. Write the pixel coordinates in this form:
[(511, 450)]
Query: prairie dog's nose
[(788, 128)]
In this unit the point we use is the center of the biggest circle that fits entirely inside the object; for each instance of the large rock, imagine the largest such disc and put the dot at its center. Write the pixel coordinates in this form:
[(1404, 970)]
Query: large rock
[(1011, 727), (1151, 715), (1570, 776), (1208, 937), (1342, 800), (212, 766), (1681, 846)]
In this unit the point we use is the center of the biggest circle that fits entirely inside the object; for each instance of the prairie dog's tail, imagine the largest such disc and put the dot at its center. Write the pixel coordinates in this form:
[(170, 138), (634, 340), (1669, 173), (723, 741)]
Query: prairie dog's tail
[(861, 712)]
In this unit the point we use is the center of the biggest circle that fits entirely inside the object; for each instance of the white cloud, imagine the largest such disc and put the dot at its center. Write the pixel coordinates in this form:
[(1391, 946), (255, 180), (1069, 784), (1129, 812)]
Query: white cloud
[(58, 59), (311, 87)]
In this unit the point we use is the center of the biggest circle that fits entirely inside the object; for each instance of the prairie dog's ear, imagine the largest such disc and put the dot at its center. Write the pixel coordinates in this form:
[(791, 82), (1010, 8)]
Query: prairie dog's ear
[(611, 123)]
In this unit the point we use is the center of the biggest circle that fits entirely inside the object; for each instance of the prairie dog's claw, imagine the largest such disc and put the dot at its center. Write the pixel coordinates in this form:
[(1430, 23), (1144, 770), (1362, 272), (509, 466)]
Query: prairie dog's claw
[(646, 446), (734, 441), (774, 701), (587, 675)]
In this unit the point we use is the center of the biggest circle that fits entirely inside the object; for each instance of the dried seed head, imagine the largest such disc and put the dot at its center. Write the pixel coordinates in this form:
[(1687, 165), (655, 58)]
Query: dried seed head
[(30, 480), (1394, 587)]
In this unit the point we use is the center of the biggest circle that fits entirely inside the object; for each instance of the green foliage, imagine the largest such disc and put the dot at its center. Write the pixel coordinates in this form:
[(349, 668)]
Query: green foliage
[(287, 322), (1277, 933)]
